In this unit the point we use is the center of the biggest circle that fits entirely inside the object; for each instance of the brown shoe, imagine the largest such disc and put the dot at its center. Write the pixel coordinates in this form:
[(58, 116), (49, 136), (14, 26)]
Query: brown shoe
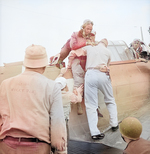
[(99, 114), (79, 109)]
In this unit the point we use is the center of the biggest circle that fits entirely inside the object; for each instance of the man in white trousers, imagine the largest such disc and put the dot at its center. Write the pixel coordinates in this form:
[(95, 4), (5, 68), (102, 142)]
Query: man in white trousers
[(96, 78)]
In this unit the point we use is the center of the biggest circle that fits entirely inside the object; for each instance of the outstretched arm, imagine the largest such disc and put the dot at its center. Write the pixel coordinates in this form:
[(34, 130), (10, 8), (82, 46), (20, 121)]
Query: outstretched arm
[(58, 127)]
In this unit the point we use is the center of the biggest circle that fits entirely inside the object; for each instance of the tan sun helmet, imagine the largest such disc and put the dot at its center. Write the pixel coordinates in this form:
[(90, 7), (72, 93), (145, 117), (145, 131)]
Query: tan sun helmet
[(131, 128)]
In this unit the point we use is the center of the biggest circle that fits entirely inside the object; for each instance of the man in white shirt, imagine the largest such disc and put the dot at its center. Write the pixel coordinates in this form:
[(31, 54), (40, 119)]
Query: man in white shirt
[(98, 59), (31, 111)]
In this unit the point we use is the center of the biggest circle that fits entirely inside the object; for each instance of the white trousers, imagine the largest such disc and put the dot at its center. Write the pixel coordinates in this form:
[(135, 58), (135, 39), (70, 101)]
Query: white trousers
[(94, 81)]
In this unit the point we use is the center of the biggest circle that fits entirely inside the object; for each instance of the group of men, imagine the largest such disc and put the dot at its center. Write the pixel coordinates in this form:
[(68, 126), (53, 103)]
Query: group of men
[(31, 105), (31, 108), (31, 111)]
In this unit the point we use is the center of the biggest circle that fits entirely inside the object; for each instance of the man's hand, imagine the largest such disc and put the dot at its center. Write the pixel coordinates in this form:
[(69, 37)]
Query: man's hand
[(51, 59), (80, 89)]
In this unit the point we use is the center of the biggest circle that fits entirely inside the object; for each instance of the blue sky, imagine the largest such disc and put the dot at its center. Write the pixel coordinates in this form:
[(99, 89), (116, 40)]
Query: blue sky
[(51, 22)]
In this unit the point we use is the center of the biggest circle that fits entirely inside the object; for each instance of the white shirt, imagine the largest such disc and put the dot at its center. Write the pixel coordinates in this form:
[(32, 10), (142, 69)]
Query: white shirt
[(97, 55)]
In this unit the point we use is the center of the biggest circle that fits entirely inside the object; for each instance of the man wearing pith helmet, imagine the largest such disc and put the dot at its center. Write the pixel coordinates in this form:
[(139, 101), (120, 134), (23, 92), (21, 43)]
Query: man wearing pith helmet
[(131, 129), (31, 112)]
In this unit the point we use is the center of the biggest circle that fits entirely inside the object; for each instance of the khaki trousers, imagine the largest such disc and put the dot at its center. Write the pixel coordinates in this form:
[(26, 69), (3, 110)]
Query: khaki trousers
[(16, 147)]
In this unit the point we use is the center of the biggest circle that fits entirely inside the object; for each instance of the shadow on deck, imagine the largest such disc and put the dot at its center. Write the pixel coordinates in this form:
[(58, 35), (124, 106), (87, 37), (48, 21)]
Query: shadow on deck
[(79, 147)]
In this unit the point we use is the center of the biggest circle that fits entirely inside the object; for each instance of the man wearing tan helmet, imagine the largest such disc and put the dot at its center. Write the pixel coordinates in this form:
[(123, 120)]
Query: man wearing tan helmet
[(31, 112), (131, 129)]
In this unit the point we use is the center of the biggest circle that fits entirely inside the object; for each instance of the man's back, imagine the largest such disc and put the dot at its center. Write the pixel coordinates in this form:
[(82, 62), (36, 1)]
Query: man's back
[(97, 55), (27, 105), (31, 111), (140, 146)]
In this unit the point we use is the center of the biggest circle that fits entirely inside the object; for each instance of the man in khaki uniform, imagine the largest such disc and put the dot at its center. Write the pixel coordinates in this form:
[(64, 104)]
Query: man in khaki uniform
[(31, 111), (131, 129)]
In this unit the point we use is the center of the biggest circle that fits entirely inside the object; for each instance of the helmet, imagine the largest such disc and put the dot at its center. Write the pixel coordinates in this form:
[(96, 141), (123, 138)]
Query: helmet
[(62, 81), (35, 56), (131, 128)]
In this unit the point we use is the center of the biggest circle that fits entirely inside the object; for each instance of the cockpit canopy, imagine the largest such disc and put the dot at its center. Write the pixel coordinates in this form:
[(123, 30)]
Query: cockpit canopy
[(120, 51)]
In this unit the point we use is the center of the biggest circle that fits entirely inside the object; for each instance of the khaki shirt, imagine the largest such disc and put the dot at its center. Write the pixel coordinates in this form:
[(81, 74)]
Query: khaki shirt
[(139, 146), (31, 106)]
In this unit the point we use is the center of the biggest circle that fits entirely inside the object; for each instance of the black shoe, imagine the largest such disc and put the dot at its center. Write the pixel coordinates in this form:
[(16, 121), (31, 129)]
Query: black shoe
[(98, 137), (114, 128)]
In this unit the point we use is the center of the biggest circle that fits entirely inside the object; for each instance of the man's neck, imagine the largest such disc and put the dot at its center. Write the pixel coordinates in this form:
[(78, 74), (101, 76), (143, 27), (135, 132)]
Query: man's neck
[(38, 70)]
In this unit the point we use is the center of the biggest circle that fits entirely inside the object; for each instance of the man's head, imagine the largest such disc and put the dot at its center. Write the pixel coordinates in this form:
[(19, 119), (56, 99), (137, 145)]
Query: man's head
[(130, 128), (136, 44), (104, 41), (35, 57)]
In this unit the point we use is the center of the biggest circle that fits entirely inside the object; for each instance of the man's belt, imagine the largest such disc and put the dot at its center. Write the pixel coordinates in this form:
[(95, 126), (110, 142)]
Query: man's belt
[(22, 139), (93, 68), (102, 69)]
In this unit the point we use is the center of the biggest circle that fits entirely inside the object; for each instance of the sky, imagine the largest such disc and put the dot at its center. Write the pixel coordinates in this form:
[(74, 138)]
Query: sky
[(50, 23)]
